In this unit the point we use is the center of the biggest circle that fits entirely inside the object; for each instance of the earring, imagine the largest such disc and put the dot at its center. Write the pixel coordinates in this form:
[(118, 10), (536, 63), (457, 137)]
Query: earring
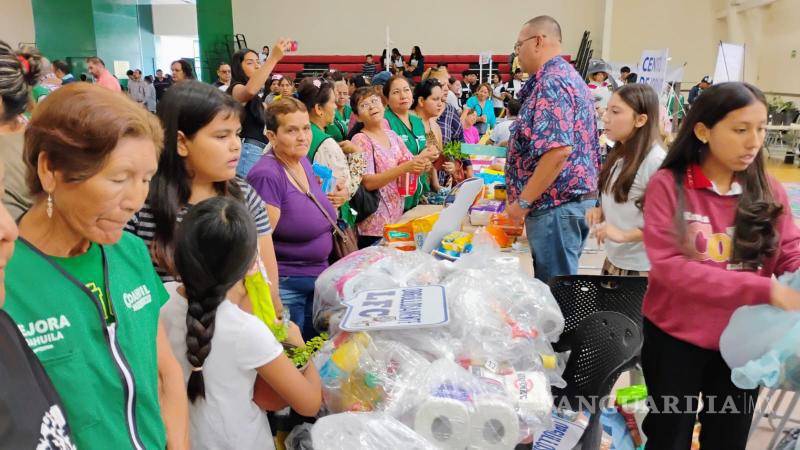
[(49, 206)]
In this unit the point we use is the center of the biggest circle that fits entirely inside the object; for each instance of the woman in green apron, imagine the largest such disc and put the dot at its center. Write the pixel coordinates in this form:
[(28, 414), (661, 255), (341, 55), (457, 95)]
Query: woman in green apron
[(340, 126), (318, 97), (82, 290), (410, 129)]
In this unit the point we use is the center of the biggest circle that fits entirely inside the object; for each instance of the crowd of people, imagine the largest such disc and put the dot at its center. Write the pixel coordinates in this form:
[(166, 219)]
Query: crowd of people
[(127, 237)]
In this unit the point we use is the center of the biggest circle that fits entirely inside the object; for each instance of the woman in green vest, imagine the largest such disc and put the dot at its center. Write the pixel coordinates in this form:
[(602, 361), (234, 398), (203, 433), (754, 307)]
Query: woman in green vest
[(25, 390), (83, 291), (318, 97), (343, 117), (410, 128), (340, 126)]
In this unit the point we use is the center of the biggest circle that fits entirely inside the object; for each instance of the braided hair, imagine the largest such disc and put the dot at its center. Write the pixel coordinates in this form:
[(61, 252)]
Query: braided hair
[(19, 71), (216, 245)]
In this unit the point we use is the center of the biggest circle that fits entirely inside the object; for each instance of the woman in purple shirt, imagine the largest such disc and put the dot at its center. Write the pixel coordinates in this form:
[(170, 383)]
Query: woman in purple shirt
[(303, 236)]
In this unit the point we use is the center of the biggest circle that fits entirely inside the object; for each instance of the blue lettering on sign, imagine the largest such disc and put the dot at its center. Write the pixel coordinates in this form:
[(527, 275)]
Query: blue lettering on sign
[(549, 440), (374, 312), (411, 306), (383, 306)]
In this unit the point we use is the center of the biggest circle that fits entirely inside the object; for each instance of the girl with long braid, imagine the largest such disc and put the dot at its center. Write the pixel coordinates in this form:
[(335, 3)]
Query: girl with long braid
[(220, 347)]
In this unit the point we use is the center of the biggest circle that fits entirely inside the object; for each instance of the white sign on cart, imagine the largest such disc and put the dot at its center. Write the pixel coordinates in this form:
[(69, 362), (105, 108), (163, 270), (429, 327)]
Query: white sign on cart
[(399, 308)]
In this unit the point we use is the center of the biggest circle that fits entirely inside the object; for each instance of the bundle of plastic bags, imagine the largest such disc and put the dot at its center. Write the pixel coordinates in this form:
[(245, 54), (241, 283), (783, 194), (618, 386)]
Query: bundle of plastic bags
[(365, 430), (761, 344), (480, 381)]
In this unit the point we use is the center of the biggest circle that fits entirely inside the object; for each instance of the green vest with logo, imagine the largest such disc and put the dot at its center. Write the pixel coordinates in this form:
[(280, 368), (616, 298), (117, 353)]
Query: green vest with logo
[(415, 141), (317, 138), (338, 129), (106, 372)]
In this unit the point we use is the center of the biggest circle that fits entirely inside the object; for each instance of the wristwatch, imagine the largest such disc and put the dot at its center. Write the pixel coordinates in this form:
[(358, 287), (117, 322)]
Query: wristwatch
[(524, 204)]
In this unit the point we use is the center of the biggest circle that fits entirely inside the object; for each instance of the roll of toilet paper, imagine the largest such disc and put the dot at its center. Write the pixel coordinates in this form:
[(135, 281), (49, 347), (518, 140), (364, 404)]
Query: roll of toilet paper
[(493, 425), (531, 390), (445, 422)]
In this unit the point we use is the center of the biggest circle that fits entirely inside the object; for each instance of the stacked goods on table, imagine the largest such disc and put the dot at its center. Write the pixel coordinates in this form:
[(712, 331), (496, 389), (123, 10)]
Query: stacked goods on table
[(478, 378)]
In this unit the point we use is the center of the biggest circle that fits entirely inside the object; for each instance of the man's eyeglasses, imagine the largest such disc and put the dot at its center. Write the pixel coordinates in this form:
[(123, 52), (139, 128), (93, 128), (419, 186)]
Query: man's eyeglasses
[(518, 44)]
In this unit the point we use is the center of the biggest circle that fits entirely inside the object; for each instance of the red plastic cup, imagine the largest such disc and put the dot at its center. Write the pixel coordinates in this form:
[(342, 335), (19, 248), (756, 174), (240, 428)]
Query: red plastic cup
[(407, 184)]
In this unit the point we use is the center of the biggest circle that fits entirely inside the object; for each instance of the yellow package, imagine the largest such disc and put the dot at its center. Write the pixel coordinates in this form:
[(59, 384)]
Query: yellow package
[(409, 236), (422, 226)]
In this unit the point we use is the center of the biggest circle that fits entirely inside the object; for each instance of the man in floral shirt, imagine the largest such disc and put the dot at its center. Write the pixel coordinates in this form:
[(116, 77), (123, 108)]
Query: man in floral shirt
[(553, 153)]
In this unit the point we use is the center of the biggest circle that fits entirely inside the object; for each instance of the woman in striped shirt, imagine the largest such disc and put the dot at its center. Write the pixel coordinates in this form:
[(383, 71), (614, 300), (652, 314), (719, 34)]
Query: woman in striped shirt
[(201, 151)]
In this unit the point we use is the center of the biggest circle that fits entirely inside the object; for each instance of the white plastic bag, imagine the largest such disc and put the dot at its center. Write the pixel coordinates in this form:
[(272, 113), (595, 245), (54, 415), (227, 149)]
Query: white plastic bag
[(374, 431), (761, 344)]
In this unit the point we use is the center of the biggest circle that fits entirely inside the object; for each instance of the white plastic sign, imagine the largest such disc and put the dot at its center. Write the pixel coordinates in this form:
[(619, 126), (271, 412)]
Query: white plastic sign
[(730, 63), (653, 69), (398, 308)]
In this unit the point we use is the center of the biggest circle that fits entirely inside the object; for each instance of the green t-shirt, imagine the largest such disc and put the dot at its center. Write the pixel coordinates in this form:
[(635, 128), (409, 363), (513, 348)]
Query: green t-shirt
[(415, 141), (88, 269), (338, 129), (110, 396)]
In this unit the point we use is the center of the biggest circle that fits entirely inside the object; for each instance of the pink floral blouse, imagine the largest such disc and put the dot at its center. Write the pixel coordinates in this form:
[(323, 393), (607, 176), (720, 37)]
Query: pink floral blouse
[(390, 208)]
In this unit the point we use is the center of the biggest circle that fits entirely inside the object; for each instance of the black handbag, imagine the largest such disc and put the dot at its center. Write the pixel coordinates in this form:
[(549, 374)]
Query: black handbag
[(365, 202)]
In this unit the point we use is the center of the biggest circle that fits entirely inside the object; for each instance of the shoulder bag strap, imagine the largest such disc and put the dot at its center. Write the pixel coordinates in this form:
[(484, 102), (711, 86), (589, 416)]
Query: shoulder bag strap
[(375, 167), (311, 196)]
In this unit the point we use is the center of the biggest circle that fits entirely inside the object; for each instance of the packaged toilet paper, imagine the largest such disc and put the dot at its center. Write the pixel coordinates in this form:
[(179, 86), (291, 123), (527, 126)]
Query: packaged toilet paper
[(493, 424), (444, 421)]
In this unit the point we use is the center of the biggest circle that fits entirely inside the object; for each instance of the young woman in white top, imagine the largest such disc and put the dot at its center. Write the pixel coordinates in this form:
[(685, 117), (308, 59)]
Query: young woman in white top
[(631, 120), (221, 348)]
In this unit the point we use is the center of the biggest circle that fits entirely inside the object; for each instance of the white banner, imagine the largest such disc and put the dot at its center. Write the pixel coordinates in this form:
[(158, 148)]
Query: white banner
[(730, 63), (653, 69), (675, 75)]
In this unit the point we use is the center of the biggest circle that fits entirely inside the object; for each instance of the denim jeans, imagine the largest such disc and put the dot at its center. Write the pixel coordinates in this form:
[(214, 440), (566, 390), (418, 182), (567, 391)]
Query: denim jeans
[(251, 153), (556, 237), (297, 295)]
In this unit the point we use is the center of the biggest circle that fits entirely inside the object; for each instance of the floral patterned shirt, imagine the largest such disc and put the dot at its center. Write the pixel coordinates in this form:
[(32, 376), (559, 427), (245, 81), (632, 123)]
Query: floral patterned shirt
[(390, 208), (557, 111)]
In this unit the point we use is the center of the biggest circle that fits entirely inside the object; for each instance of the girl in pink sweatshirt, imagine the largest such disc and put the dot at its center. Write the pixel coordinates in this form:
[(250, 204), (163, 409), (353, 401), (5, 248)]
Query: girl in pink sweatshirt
[(717, 227)]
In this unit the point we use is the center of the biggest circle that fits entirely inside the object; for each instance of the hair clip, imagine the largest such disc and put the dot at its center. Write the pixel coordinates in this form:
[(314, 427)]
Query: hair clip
[(26, 66), (317, 83)]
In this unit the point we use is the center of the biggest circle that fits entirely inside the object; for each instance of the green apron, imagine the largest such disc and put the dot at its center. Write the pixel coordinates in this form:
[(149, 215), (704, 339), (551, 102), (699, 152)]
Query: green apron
[(106, 372), (415, 141), (338, 129), (317, 138)]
